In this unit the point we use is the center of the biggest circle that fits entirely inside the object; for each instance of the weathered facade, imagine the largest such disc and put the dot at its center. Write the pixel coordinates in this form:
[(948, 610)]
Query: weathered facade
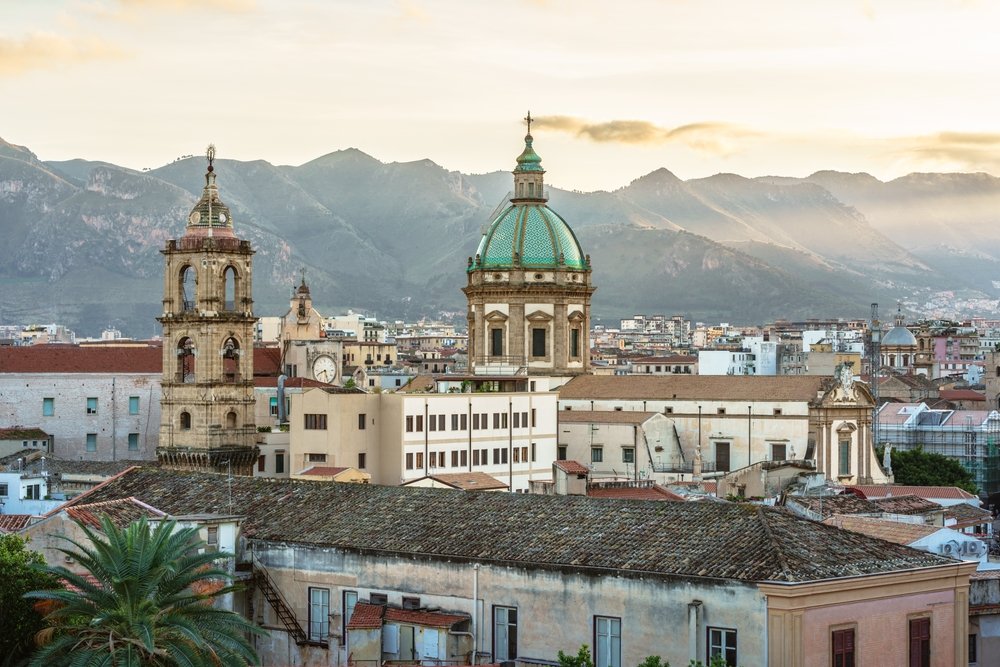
[(731, 422), (207, 407)]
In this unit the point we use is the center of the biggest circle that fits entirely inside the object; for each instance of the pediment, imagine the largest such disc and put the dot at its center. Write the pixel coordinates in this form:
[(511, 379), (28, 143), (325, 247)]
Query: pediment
[(539, 316), (576, 317), (496, 316)]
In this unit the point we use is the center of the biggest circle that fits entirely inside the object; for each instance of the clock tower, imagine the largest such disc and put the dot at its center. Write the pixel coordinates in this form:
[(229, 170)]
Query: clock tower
[(208, 322)]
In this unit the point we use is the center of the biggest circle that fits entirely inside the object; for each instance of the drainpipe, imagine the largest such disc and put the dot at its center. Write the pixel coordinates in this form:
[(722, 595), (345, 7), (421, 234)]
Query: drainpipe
[(694, 607), (475, 613)]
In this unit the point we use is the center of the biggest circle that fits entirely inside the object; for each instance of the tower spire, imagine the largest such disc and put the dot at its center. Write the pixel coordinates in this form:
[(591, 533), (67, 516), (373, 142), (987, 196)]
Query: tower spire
[(528, 120)]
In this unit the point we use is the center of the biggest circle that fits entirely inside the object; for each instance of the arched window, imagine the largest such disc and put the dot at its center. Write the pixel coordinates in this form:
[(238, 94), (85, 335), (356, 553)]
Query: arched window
[(189, 288), (231, 360), (230, 419), (185, 421), (186, 358), (229, 278)]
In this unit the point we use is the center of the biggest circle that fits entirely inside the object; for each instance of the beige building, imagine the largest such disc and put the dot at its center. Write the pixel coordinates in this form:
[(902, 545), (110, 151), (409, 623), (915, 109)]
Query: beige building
[(207, 403), (398, 438), (726, 423), (306, 352)]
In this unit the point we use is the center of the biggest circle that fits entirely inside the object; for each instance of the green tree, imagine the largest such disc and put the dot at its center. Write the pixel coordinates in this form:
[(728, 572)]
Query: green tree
[(581, 659), (146, 599), (919, 468), (19, 574)]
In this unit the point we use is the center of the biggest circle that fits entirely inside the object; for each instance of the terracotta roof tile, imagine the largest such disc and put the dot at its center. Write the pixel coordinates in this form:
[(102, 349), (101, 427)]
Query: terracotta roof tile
[(121, 512), (11, 523), (911, 505), (290, 383), (432, 619), (470, 481), (962, 395), (732, 541), (966, 515), (81, 359), (603, 417), (672, 359), (572, 467), (883, 529), (694, 387), (827, 506), (325, 471), (631, 491), (872, 491), (366, 616)]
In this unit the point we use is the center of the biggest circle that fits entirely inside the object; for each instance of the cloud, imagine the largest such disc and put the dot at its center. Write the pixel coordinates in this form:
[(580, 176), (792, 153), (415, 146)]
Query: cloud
[(709, 137), (977, 151), (46, 50), (183, 5)]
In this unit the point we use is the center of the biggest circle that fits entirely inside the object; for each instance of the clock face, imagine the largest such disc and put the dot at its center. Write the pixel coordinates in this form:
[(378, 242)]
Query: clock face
[(325, 369)]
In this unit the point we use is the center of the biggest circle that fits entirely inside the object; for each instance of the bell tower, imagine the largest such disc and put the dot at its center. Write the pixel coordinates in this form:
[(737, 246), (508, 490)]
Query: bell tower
[(208, 401)]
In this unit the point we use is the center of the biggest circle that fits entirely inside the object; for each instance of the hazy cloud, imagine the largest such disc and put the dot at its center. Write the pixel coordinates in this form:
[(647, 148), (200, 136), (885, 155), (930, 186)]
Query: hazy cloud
[(181, 5), (47, 50), (977, 151), (710, 137)]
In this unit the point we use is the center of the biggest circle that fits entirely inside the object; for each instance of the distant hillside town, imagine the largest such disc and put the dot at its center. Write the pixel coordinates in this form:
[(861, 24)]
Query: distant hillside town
[(525, 481)]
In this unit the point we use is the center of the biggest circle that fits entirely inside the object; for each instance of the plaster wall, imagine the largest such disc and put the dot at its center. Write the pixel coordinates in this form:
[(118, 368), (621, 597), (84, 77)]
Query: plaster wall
[(21, 400), (653, 612)]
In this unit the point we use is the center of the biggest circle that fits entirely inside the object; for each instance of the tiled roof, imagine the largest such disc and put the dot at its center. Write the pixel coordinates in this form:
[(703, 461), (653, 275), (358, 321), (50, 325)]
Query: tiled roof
[(631, 492), (694, 387), (366, 616), (434, 619), (910, 504), (966, 515), (470, 481), (11, 523), (717, 540), (603, 417), (56, 358), (827, 506), (62, 467), (419, 383), (325, 471), (883, 529), (121, 512), (81, 359), (23, 434), (962, 395), (572, 467), (872, 491)]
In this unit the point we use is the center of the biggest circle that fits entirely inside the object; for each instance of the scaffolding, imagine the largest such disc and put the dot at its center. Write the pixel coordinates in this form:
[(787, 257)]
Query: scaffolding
[(975, 444)]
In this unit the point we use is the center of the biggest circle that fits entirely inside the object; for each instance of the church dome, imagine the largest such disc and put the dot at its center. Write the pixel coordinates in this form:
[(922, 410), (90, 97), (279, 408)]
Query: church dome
[(527, 233), (899, 336)]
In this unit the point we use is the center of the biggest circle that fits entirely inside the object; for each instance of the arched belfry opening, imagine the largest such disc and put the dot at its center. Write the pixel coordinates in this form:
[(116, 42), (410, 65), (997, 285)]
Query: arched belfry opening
[(207, 402)]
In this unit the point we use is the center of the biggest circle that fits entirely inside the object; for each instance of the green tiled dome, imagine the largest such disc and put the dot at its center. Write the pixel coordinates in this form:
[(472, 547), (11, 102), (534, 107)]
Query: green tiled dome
[(529, 235)]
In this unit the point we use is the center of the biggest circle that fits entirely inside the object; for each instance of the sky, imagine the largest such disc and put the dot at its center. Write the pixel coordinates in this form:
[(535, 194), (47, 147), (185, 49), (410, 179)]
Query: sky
[(618, 89)]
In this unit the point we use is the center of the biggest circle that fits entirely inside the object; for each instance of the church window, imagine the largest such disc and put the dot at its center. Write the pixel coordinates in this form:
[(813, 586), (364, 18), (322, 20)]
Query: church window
[(185, 421), (189, 288), (845, 457), (185, 360), (229, 278), (231, 360), (496, 342), (574, 343), (538, 347)]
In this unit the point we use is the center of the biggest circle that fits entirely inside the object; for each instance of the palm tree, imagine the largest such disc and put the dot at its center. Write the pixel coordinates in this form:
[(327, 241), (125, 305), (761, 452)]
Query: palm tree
[(145, 599)]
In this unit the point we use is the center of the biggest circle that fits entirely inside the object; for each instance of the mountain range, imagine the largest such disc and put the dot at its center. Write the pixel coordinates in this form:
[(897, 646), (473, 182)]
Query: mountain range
[(80, 240)]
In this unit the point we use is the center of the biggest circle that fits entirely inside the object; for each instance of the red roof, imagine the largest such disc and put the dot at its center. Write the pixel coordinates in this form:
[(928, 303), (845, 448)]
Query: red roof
[(673, 359), (143, 358), (962, 395), (366, 616), (11, 523), (433, 619), (572, 467), (325, 471), (874, 491), (81, 359), (654, 492)]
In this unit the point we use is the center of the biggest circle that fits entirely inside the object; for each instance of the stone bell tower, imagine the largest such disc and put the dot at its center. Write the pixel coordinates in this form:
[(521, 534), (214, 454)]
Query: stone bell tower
[(208, 322)]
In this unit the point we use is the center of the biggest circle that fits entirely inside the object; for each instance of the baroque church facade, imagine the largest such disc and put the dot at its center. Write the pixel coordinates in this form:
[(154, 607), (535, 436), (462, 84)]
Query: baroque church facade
[(207, 403)]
